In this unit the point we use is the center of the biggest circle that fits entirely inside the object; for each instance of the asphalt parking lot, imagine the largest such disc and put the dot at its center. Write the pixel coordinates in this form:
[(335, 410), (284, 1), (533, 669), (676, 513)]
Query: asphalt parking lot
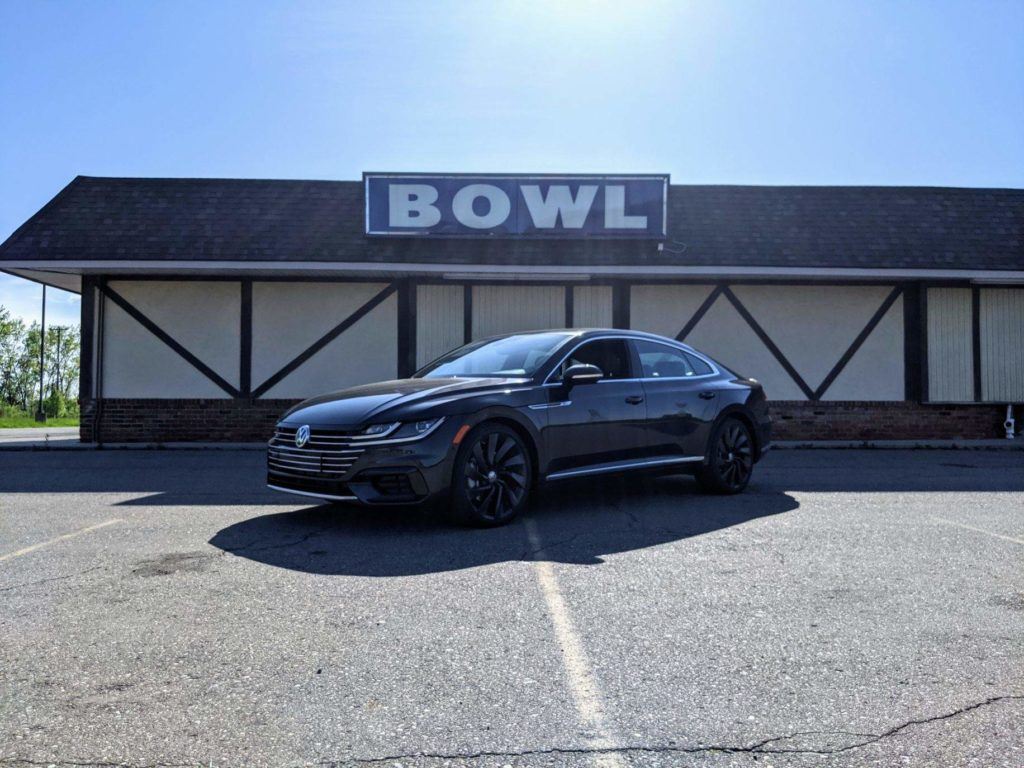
[(853, 608)]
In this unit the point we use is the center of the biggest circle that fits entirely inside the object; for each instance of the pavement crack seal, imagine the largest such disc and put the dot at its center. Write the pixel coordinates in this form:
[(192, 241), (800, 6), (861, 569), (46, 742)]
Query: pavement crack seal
[(598, 749), (251, 547), (758, 748), (52, 578), (873, 738)]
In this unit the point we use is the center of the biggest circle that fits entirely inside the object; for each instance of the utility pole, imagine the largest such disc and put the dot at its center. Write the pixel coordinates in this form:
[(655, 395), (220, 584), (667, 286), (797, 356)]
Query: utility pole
[(59, 330), (41, 414)]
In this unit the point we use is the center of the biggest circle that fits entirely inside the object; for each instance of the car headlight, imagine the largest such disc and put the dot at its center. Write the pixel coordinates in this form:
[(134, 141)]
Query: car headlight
[(401, 431), (380, 430)]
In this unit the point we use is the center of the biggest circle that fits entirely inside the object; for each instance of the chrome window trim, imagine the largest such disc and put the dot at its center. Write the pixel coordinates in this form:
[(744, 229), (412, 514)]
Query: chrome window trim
[(312, 495), (687, 350), (580, 344), (622, 465), (678, 346)]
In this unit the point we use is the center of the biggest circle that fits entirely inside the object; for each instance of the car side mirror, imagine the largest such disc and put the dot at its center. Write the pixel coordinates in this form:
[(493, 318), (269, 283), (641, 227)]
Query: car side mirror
[(582, 373)]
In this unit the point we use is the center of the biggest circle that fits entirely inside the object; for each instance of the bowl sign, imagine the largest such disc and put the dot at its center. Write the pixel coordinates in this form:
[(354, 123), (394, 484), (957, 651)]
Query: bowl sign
[(516, 206)]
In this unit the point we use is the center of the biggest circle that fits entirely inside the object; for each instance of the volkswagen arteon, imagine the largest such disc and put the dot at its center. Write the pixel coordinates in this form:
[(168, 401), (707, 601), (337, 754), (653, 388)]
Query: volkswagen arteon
[(479, 428)]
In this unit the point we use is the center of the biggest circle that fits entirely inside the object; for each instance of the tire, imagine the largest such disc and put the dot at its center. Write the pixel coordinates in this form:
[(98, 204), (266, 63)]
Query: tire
[(730, 460), (491, 478)]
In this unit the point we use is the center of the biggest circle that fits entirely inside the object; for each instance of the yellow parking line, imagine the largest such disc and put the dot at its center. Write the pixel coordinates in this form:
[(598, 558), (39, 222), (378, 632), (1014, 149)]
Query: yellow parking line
[(582, 684), (978, 530), (71, 535)]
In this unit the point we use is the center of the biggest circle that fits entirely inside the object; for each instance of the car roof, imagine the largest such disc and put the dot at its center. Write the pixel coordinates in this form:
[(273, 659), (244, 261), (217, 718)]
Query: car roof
[(588, 333)]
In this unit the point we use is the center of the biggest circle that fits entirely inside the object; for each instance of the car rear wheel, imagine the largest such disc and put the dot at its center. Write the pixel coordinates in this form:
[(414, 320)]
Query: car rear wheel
[(730, 460), (492, 476)]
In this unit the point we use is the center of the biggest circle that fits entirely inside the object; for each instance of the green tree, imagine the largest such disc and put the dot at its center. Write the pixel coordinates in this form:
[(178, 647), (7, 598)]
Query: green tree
[(12, 340), (19, 366)]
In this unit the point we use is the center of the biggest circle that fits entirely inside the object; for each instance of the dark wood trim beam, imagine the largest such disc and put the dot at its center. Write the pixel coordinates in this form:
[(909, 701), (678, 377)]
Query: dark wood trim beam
[(161, 334), (923, 354), (858, 342), (245, 341), (621, 304), (976, 340), (87, 352), (467, 313), (406, 329), (570, 310), (912, 372), (701, 311), (101, 335), (326, 339), (766, 340)]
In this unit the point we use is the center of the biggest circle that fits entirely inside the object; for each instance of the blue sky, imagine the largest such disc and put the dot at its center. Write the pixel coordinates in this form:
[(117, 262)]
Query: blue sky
[(779, 92)]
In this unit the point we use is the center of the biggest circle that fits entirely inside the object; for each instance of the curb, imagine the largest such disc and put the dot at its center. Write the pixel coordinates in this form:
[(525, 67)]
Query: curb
[(904, 445), (74, 446), (778, 445)]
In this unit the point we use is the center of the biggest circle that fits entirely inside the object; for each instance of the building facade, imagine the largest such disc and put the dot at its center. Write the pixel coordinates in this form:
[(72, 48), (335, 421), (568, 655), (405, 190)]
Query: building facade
[(210, 306)]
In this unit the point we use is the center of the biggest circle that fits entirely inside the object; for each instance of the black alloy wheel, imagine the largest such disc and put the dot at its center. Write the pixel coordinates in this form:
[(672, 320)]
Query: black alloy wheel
[(492, 476), (730, 462)]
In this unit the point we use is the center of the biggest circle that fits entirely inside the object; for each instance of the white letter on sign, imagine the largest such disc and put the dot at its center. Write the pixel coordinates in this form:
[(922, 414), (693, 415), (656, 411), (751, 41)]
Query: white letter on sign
[(615, 210), (412, 205), (545, 211), (462, 206)]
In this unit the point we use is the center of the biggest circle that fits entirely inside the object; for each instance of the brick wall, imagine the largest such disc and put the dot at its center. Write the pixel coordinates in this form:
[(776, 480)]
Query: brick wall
[(129, 421), (853, 420), (248, 420)]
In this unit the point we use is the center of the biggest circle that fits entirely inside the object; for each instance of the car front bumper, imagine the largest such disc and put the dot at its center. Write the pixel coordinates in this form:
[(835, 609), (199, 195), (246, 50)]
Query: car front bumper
[(401, 473)]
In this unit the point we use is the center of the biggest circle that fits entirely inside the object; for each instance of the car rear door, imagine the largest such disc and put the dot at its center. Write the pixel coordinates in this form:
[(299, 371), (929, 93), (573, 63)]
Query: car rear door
[(681, 400), (598, 423)]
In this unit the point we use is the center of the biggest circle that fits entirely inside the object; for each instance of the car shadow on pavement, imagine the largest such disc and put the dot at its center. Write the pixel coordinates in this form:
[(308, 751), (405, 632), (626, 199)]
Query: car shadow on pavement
[(578, 522)]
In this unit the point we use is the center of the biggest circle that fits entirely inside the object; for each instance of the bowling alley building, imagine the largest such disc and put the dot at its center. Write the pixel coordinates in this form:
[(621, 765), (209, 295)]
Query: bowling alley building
[(209, 306)]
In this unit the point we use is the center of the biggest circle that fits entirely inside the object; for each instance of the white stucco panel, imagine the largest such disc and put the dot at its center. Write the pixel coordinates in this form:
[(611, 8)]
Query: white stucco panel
[(288, 317), (664, 309), (137, 364), (814, 325), (204, 317), (724, 335), (364, 353), (876, 370)]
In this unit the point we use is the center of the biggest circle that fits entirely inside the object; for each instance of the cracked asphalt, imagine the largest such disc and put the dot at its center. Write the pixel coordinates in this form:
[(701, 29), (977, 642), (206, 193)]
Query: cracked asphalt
[(853, 608)]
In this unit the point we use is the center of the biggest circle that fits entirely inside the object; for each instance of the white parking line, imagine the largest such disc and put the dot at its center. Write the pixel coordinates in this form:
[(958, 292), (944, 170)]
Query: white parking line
[(582, 684), (977, 530), (71, 535)]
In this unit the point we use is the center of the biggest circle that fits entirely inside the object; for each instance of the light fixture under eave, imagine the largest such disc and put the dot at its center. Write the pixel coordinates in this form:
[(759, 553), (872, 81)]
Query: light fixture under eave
[(493, 277)]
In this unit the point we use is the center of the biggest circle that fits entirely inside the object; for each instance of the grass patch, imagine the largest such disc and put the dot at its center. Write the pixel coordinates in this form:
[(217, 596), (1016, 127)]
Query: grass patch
[(10, 421)]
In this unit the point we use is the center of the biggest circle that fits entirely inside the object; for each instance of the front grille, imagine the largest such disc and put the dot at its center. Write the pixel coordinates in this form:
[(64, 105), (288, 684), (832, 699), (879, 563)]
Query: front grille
[(328, 454)]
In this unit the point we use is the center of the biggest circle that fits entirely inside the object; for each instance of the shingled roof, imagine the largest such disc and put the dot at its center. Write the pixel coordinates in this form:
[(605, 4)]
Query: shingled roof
[(103, 219)]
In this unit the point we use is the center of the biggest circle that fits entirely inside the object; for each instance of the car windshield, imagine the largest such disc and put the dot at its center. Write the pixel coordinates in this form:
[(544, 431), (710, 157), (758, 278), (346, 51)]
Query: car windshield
[(520, 355)]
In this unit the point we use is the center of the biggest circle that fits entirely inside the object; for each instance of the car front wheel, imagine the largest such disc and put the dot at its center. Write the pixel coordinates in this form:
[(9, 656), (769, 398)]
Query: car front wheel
[(492, 475), (730, 460)]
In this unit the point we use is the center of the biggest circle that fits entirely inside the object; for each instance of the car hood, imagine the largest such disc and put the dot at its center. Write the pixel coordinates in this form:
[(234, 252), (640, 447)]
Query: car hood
[(359, 405)]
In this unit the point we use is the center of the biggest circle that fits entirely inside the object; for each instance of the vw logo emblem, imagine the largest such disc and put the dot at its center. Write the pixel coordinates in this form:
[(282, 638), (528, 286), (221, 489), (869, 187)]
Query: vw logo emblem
[(302, 436)]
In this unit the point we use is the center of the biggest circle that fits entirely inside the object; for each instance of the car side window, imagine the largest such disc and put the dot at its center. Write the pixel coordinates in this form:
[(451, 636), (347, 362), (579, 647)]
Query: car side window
[(700, 368), (659, 361), (610, 355)]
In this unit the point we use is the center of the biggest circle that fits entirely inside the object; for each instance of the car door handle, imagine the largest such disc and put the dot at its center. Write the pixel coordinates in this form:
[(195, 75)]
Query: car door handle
[(635, 399), (706, 395)]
